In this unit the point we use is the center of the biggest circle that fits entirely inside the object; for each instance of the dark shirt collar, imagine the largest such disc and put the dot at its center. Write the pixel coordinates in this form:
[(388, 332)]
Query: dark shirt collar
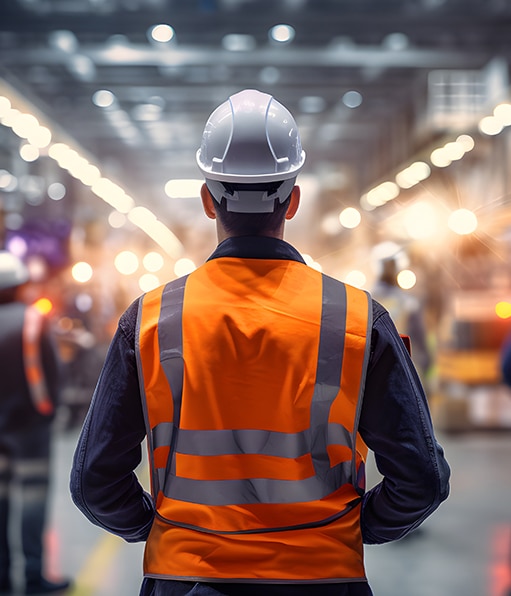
[(256, 247)]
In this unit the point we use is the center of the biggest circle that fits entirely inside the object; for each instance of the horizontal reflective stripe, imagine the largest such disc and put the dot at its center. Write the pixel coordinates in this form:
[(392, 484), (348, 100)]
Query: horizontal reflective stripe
[(233, 442), (253, 490)]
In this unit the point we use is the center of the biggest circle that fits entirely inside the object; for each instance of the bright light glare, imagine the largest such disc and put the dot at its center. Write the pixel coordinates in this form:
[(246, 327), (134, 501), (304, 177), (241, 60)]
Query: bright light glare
[(40, 137), (43, 305), (466, 141), (490, 126), (153, 261), (24, 124), (503, 113), (406, 279), (29, 153), (350, 218), (454, 151), (420, 221), (148, 282), (356, 278), (282, 33), (183, 189), (10, 116), (126, 262), (462, 222), (381, 194), (413, 174), (113, 194), (184, 266), (439, 158), (103, 98), (162, 33), (81, 272), (503, 310)]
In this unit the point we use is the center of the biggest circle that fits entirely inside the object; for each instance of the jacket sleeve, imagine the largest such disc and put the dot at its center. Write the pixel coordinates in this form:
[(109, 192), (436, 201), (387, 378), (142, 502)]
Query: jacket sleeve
[(103, 482), (396, 425)]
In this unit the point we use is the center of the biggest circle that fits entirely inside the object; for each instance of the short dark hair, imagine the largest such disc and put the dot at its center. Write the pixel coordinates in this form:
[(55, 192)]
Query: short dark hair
[(251, 224)]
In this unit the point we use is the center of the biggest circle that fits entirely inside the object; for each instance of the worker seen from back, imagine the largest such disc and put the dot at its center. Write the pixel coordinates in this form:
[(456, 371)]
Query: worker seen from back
[(259, 384), (405, 309), (29, 392)]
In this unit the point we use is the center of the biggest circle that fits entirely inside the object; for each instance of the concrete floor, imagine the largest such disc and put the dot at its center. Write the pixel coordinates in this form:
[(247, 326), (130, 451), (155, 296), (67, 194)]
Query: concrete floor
[(463, 550)]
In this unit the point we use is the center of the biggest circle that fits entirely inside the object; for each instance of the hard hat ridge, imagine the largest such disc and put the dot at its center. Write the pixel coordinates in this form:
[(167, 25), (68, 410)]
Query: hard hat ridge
[(250, 139)]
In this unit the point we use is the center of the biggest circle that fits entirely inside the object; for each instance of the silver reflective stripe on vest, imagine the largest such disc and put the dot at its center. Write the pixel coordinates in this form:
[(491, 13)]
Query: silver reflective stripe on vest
[(247, 491), (234, 442), (171, 337), (328, 382), (284, 445)]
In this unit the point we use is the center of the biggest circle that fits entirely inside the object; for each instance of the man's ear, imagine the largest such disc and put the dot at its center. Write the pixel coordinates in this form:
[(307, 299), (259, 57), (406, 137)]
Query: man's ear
[(294, 203), (207, 202)]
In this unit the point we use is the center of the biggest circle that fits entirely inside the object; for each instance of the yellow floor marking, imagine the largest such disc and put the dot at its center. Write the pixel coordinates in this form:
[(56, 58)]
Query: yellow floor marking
[(96, 566)]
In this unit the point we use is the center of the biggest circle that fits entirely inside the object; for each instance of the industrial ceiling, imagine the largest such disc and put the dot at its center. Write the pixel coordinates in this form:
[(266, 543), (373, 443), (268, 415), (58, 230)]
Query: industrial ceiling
[(370, 82)]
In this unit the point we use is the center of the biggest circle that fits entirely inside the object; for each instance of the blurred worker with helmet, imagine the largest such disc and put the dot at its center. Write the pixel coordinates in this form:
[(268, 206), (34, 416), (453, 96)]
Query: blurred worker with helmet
[(405, 309), (259, 384), (28, 395)]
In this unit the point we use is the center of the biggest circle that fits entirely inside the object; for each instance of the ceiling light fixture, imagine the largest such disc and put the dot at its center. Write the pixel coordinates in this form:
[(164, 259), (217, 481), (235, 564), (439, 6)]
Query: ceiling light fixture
[(282, 33), (161, 33)]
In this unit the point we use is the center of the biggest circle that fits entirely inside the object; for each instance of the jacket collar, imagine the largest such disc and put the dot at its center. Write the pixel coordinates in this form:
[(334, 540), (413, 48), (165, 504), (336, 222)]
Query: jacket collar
[(256, 247)]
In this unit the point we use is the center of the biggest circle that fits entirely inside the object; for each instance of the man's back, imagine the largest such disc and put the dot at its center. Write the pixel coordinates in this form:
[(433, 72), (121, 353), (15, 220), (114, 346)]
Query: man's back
[(262, 451)]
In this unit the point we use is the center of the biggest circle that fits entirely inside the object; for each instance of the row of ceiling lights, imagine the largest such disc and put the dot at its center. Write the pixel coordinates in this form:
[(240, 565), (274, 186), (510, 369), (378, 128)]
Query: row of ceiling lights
[(440, 157), (39, 138)]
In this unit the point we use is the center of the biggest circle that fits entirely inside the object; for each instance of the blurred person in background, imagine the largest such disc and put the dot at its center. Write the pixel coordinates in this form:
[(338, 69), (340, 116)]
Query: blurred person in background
[(28, 395), (258, 382), (404, 308)]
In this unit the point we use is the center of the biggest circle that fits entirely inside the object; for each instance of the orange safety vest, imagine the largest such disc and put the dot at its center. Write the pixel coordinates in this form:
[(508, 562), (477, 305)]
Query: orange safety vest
[(252, 373), (32, 361)]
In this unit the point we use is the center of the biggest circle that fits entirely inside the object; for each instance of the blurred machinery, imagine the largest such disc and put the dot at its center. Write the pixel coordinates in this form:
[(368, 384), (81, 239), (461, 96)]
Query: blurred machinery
[(476, 320)]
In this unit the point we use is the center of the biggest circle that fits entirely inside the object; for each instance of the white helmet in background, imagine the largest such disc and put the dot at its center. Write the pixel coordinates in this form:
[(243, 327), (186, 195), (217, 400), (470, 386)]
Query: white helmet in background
[(250, 139), (13, 271)]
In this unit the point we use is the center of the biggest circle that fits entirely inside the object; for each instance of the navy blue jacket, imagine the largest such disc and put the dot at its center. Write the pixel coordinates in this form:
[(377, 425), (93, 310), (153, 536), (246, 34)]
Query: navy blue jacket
[(395, 424)]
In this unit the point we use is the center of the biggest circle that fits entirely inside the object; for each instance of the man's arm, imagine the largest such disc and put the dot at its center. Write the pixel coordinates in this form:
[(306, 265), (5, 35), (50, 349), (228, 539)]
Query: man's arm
[(103, 483), (396, 425)]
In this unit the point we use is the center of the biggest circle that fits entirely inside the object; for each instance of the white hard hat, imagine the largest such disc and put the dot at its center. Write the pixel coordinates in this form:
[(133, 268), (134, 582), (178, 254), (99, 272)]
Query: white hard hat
[(13, 271), (250, 139)]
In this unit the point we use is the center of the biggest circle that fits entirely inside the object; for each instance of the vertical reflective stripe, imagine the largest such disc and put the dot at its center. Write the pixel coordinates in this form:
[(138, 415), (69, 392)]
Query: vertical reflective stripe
[(32, 328), (333, 328), (147, 317), (328, 378), (170, 334)]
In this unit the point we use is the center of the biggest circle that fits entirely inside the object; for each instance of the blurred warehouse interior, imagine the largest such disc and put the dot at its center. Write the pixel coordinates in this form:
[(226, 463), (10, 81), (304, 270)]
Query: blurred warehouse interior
[(404, 108)]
